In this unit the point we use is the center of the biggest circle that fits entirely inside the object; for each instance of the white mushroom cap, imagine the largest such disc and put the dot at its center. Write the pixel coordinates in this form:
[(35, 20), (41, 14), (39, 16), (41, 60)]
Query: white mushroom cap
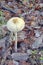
[(15, 24)]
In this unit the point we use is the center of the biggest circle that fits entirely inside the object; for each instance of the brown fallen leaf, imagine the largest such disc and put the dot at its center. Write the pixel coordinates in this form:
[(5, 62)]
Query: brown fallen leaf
[(7, 14), (10, 62), (24, 63)]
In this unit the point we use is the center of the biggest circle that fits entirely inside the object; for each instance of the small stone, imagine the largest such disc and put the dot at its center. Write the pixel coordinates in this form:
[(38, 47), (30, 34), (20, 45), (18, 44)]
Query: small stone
[(41, 13), (37, 33), (15, 62), (38, 42), (29, 51), (20, 56)]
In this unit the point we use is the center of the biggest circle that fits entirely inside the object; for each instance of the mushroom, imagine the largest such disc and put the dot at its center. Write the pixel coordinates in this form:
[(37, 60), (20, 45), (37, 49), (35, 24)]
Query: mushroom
[(15, 25)]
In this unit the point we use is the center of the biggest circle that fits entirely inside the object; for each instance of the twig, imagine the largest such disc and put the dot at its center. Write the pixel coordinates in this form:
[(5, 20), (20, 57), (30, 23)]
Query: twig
[(8, 9)]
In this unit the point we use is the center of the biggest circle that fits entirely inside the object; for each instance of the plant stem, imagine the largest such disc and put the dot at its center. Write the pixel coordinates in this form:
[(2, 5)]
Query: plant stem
[(16, 42)]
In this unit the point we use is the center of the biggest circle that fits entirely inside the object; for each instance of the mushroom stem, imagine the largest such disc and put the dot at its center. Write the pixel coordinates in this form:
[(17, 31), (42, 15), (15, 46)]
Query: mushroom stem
[(16, 42)]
